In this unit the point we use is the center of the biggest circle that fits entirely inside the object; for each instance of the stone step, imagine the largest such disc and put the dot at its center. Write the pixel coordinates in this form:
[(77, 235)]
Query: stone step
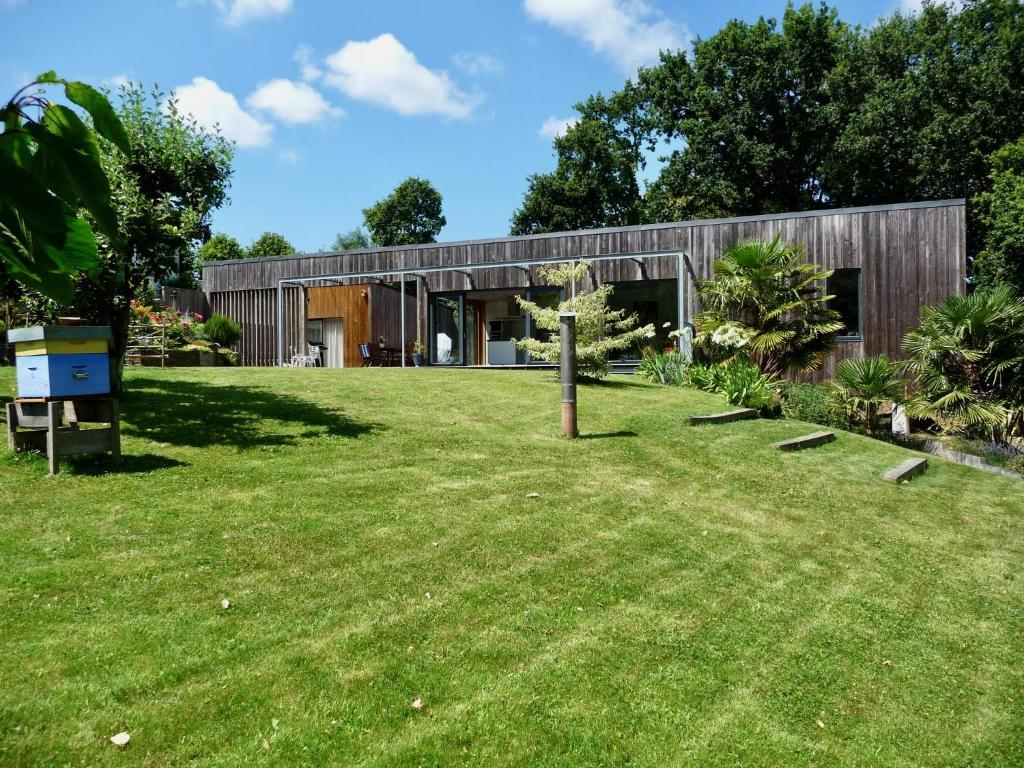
[(805, 441), (724, 418), (906, 470)]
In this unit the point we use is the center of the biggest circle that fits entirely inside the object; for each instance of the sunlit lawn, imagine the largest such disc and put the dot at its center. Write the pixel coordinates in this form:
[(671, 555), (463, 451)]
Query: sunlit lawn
[(654, 594)]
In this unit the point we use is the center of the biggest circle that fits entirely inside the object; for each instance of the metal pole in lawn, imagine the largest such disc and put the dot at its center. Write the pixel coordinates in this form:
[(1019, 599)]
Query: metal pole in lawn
[(567, 372)]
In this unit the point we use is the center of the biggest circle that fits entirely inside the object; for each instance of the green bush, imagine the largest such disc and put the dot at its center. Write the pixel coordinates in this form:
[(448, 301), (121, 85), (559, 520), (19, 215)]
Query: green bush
[(742, 384), (219, 329), (668, 368), (1016, 464), (811, 402)]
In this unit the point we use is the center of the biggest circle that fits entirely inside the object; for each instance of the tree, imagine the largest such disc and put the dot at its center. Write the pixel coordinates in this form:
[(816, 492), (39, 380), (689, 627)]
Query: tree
[(408, 216), (765, 303), (599, 329), (220, 247), (268, 245), (861, 388), (352, 240), (968, 358), (750, 111), (595, 181), (1000, 212), (50, 170), (164, 190)]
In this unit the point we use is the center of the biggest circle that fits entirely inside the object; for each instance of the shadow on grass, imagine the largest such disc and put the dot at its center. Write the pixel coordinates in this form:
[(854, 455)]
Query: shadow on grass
[(603, 435), (191, 413), (130, 463)]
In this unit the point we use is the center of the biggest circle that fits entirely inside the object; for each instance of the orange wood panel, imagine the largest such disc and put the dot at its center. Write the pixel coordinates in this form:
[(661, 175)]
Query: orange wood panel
[(351, 304)]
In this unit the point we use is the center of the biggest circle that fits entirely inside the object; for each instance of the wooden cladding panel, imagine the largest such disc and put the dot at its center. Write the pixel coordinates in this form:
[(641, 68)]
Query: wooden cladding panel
[(349, 303), (911, 256)]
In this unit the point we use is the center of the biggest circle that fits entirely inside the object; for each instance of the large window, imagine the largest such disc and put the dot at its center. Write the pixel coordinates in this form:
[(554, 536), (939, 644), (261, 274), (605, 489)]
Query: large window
[(844, 287), (653, 301)]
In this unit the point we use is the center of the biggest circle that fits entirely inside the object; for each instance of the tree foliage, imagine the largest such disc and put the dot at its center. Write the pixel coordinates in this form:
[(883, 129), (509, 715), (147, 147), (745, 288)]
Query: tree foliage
[(809, 112), (164, 190), (268, 245), (1001, 213), (410, 215), (220, 247), (967, 355), (766, 303), (50, 171), (352, 240), (600, 330), (595, 181)]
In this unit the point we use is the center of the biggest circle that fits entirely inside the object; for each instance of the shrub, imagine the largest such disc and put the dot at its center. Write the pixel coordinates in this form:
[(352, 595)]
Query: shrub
[(1016, 464), (668, 368), (811, 403), (220, 329), (742, 384), (968, 358), (861, 388)]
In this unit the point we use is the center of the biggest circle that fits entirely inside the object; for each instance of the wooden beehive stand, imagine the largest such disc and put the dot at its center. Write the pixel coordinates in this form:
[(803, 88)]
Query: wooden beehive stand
[(52, 426), (63, 375)]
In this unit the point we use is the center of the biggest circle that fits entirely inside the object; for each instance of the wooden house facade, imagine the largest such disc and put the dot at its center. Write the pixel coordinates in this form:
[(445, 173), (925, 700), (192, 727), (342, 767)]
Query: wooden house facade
[(460, 299)]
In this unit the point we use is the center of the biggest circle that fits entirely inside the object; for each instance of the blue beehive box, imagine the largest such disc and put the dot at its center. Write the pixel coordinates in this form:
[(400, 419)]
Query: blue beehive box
[(62, 361)]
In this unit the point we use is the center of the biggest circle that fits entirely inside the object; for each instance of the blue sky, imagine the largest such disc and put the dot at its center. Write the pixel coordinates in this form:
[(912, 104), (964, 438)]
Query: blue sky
[(334, 103)]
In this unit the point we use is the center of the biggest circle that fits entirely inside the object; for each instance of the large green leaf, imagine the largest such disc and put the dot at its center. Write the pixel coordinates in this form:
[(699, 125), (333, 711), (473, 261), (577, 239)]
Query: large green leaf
[(104, 119), (72, 143), (20, 190)]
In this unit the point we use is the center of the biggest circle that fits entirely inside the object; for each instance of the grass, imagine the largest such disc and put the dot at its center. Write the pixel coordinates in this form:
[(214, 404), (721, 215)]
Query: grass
[(670, 595)]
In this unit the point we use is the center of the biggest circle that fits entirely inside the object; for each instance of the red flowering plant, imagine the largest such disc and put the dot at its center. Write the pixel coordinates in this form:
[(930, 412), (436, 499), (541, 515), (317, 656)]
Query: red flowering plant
[(180, 330)]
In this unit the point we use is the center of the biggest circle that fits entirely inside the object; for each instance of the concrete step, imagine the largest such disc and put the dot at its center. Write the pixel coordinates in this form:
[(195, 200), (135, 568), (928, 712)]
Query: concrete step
[(805, 441), (724, 418), (906, 470)]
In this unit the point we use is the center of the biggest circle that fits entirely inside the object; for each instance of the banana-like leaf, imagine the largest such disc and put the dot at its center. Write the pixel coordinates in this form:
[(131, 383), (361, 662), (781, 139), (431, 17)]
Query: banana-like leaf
[(104, 119), (20, 190)]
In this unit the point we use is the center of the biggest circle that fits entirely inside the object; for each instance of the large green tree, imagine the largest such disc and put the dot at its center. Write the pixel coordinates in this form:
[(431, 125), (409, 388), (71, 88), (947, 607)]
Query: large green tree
[(164, 190), (749, 115), (269, 244), (595, 181), (1000, 211), (410, 215)]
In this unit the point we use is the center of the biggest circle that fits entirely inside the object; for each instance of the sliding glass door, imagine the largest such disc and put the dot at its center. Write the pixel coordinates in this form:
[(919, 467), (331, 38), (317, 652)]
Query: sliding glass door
[(447, 322)]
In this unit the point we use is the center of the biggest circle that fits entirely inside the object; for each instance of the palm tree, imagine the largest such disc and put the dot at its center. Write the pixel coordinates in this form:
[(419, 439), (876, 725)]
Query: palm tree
[(766, 303), (968, 358), (861, 387)]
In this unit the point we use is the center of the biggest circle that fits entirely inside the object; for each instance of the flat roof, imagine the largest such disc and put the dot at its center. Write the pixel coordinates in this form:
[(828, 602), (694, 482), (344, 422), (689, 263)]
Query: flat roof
[(602, 230)]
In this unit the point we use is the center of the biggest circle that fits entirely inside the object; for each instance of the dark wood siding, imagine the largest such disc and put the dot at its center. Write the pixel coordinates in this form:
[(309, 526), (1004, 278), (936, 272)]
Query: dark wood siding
[(911, 255)]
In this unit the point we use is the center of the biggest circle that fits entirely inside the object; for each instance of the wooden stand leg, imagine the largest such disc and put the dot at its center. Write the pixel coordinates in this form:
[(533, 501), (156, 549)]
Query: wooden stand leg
[(12, 424), (53, 412), (115, 433)]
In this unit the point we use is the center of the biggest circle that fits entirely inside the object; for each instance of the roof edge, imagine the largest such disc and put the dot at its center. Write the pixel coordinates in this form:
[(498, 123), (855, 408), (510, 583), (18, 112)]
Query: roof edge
[(604, 230)]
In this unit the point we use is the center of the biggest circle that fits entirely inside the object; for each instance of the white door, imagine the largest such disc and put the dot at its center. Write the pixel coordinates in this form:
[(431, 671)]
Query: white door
[(334, 338)]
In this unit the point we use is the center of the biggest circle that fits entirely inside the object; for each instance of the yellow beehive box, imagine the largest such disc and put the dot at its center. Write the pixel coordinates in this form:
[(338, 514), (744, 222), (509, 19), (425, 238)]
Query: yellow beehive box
[(61, 347)]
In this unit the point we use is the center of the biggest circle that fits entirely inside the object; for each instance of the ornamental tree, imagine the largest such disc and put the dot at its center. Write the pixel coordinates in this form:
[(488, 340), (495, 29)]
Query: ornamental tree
[(600, 330), (408, 216)]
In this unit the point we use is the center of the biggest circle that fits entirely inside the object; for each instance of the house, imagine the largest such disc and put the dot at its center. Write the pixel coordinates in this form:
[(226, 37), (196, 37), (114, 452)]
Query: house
[(460, 298)]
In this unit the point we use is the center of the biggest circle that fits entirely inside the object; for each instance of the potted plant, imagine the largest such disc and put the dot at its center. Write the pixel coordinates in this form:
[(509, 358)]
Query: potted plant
[(381, 341), (417, 353)]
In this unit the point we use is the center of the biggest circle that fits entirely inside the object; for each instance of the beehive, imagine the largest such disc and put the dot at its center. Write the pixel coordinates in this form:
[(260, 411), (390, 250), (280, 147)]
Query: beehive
[(57, 362)]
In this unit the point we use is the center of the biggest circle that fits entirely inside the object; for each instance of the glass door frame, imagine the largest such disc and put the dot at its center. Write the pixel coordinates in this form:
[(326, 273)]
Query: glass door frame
[(432, 326)]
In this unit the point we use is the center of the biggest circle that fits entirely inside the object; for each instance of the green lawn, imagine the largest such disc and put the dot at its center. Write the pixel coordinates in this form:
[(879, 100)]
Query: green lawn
[(673, 595)]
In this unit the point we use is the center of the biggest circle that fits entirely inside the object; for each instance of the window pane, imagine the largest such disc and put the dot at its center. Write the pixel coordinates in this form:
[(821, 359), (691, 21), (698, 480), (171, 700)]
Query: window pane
[(844, 287)]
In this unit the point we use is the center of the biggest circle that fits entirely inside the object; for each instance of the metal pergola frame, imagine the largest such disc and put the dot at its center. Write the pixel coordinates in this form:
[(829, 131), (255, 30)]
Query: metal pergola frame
[(683, 267)]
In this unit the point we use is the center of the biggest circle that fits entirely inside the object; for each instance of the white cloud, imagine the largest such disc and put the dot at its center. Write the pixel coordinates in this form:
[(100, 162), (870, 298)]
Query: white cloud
[(554, 127), (211, 106), (292, 102), (383, 71), (116, 82), (237, 12), (629, 32), (477, 64), (304, 57), (289, 156)]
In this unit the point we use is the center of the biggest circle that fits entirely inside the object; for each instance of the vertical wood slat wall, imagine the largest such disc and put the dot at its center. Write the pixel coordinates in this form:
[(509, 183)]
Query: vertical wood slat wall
[(911, 255)]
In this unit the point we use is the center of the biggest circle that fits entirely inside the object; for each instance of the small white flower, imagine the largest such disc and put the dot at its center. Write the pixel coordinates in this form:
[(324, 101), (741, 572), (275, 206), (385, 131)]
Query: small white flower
[(665, 324)]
